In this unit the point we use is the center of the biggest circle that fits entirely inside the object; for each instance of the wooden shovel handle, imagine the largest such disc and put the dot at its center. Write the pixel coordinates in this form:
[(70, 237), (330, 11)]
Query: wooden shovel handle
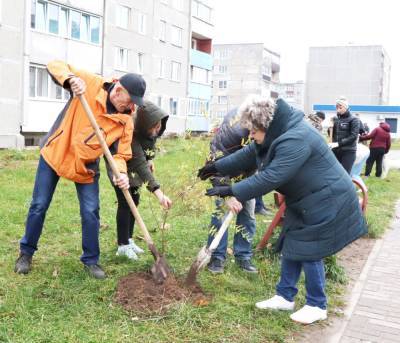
[(115, 170), (221, 231)]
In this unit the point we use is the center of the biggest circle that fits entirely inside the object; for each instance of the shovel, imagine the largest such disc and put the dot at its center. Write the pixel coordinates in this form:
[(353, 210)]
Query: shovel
[(160, 269), (204, 255)]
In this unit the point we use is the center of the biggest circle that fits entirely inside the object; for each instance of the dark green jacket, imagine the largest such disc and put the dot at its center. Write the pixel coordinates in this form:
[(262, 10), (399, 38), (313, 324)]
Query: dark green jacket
[(143, 146), (322, 214)]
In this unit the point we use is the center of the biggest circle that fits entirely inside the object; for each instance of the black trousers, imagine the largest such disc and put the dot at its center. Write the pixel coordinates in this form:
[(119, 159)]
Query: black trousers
[(125, 219), (346, 158), (375, 154)]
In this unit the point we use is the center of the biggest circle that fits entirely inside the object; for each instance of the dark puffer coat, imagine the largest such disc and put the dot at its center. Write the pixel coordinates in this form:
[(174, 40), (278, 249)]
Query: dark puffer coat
[(346, 129), (323, 214)]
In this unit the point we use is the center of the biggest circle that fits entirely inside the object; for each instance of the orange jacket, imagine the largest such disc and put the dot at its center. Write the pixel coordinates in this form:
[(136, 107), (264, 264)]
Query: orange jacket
[(71, 143)]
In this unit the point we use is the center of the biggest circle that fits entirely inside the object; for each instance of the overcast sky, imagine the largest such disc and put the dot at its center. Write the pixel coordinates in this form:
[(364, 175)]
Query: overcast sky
[(290, 27)]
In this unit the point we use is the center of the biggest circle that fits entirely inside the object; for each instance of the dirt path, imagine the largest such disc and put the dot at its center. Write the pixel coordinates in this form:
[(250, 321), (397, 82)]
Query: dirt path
[(352, 258)]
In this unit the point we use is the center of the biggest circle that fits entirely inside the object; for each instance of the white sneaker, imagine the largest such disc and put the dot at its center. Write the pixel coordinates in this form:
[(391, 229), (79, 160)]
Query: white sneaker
[(276, 303), (309, 314), (126, 250), (136, 249)]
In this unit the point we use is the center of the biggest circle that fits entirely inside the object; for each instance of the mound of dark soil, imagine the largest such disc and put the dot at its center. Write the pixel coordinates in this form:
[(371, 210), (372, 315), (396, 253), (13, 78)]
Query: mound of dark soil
[(138, 292)]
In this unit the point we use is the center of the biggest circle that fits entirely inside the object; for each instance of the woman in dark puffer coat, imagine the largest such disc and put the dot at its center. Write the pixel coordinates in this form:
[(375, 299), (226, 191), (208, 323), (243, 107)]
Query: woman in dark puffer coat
[(323, 214)]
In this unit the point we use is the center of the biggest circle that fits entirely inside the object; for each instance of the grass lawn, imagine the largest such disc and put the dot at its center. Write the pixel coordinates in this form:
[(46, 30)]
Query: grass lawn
[(395, 144), (58, 302)]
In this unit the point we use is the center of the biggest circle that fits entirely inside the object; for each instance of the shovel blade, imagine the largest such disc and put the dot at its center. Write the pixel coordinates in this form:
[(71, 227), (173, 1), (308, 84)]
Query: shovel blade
[(203, 257), (160, 270)]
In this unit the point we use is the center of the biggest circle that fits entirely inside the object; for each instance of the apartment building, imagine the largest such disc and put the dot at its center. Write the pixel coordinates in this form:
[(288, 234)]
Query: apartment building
[(292, 93), (361, 73), (240, 70), (151, 38), (109, 37)]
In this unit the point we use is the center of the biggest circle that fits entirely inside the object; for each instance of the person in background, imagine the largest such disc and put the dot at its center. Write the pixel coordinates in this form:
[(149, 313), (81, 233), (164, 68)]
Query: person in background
[(71, 150), (379, 146), (261, 208), (346, 129), (366, 127), (322, 211), (150, 124), (231, 137), (316, 120)]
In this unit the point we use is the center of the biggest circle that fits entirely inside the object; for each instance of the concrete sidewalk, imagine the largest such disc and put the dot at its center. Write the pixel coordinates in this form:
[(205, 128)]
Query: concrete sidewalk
[(373, 313)]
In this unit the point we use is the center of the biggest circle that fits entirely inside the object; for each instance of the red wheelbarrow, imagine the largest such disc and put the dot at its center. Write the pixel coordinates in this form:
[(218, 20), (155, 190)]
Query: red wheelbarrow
[(280, 204)]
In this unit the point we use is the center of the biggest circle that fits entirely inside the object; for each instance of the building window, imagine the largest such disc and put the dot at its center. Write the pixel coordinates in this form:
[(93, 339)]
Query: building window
[(142, 24), (222, 69), (75, 24), (222, 100), (163, 31), (121, 58), (42, 83), (163, 68), (222, 84), (198, 107), (40, 23), (140, 66), (123, 15), (65, 22), (173, 106), (200, 75), (221, 54), (42, 86), (53, 18), (175, 71), (176, 36), (95, 30), (64, 18), (201, 11), (85, 24)]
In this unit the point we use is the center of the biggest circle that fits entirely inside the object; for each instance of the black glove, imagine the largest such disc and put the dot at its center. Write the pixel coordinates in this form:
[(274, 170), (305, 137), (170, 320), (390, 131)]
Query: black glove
[(208, 170), (222, 191)]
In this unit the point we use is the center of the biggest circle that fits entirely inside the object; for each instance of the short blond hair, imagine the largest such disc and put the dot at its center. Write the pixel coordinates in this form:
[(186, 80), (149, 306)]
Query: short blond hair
[(256, 112)]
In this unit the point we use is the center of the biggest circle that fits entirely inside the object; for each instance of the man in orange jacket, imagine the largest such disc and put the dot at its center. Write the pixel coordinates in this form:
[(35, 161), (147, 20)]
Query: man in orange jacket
[(72, 150)]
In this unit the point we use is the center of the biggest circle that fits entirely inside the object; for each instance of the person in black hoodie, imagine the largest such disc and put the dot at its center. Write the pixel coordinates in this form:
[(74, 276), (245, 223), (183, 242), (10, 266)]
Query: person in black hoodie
[(150, 124), (346, 129)]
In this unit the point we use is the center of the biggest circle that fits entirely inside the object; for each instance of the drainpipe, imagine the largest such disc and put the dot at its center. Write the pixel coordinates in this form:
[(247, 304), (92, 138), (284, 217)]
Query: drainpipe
[(189, 64), (25, 63), (103, 37)]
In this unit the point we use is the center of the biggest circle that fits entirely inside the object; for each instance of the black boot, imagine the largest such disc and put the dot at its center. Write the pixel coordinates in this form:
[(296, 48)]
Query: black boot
[(246, 266), (23, 264), (263, 211), (95, 271), (216, 266)]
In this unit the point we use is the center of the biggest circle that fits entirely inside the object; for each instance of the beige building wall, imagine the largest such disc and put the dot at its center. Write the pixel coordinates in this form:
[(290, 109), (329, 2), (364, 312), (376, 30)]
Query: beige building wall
[(360, 73), (11, 72)]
